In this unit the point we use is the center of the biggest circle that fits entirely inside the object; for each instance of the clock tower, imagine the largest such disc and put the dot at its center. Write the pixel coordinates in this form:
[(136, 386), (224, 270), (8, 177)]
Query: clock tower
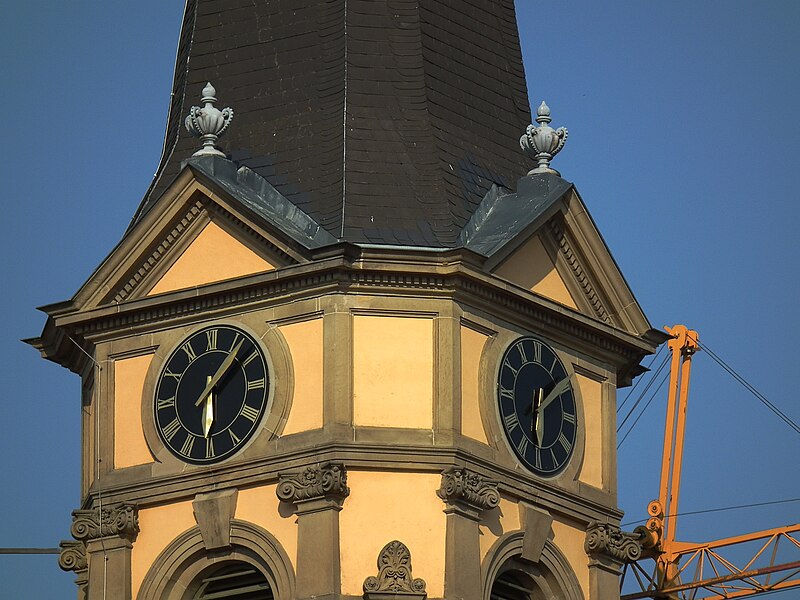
[(347, 347)]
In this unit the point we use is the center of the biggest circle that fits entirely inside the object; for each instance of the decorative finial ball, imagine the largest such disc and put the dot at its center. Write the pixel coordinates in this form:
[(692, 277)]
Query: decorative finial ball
[(209, 93), (542, 111)]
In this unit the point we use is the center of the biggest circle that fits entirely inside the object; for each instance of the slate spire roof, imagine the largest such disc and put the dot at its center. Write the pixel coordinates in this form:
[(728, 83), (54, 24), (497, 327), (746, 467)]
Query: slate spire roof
[(386, 121)]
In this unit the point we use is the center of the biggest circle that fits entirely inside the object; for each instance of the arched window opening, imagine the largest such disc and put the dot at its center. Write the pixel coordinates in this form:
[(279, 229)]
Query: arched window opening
[(237, 581), (512, 585)]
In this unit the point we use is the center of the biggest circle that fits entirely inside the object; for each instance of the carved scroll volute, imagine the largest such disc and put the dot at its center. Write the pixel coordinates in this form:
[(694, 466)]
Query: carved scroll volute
[(327, 481), (466, 489), (118, 520), (606, 540), (73, 556), (394, 575)]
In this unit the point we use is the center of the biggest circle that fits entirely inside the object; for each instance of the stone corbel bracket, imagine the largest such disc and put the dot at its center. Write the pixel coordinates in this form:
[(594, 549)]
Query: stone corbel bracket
[(606, 541), (325, 482), (468, 491), (118, 520), (394, 576)]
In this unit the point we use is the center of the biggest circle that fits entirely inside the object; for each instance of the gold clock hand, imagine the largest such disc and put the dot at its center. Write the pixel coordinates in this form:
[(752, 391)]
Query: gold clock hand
[(536, 417), (560, 388), (208, 410), (223, 368)]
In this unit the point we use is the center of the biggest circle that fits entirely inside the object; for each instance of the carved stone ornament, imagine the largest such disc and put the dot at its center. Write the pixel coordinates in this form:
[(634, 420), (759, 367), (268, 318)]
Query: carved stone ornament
[(120, 520), (73, 556), (462, 485), (543, 143), (328, 480), (609, 540), (208, 123), (394, 574)]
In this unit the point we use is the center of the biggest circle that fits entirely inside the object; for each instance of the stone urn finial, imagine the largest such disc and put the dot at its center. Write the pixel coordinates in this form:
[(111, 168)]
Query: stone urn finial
[(208, 123), (542, 143)]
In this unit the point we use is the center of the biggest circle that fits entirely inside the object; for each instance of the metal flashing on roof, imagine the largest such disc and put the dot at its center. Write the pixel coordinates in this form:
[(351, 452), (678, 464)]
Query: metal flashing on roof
[(502, 217)]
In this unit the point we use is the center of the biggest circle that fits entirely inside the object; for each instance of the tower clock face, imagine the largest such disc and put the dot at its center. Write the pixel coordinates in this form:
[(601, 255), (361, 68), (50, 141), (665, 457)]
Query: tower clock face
[(211, 394), (537, 406)]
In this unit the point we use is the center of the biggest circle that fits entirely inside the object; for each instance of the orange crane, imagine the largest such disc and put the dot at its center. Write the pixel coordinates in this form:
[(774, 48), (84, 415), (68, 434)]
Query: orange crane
[(707, 571)]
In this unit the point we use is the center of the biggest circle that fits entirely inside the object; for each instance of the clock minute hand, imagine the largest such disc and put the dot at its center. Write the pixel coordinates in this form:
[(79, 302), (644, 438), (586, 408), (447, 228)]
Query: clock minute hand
[(559, 389), (223, 368)]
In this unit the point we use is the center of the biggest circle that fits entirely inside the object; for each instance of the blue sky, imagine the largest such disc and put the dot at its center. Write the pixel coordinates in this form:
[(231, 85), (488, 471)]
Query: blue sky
[(683, 143)]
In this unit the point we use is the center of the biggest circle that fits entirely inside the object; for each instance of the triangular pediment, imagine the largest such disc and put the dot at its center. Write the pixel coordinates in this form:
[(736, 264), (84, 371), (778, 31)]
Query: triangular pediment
[(542, 239), (214, 224)]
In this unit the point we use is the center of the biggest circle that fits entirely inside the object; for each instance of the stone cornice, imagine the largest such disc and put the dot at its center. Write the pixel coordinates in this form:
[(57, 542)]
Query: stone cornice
[(462, 486), (325, 481), (394, 575), (441, 274), (609, 541), (139, 485), (120, 520), (73, 556)]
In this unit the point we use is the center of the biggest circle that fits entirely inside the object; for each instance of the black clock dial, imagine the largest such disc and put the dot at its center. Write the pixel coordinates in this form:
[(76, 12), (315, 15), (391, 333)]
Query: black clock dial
[(537, 406), (211, 395)]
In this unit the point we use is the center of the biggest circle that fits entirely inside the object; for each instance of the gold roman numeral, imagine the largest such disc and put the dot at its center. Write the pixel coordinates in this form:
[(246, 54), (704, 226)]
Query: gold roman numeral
[(210, 447), (249, 359), (175, 376), (234, 439), (537, 458), (512, 421), (186, 449), (249, 413), (211, 339), (522, 355), (522, 445), (537, 352), (569, 418), (255, 384), (507, 365), (162, 403), (565, 443), (504, 393), (187, 347), (171, 429), (235, 341)]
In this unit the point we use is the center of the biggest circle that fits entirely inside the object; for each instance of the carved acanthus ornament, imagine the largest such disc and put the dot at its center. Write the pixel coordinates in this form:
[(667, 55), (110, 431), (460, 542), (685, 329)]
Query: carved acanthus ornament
[(460, 485), (119, 520), (604, 539), (73, 556), (542, 143), (328, 480), (208, 122), (394, 575)]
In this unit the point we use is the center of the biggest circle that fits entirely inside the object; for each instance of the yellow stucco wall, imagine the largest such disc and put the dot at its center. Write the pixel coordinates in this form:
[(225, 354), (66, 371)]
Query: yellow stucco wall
[(305, 346), (372, 517), (214, 255), (260, 506), (393, 371), (472, 344), (130, 447), (530, 266), (157, 528), (497, 522), (569, 539), (592, 467)]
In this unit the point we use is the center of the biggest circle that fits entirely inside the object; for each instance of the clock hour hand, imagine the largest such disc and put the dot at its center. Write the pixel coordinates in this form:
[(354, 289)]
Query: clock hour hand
[(208, 410), (537, 418), (223, 368)]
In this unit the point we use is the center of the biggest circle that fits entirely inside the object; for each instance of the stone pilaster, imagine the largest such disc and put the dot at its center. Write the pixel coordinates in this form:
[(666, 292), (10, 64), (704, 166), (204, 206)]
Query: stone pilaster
[(609, 548), (107, 537), (466, 495), (318, 493)]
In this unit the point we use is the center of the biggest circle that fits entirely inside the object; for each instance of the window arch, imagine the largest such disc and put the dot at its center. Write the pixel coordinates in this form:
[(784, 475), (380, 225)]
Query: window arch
[(506, 576), (185, 568)]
